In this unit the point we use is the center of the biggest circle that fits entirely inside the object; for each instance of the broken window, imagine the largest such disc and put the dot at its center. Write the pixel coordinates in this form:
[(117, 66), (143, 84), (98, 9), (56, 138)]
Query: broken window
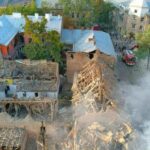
[(36, 94), (72, 56), (91, 55), (24, 94)]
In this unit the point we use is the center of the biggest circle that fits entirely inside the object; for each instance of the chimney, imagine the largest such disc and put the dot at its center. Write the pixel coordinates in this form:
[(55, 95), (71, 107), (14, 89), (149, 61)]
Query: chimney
[(36, 16), (48, 16)]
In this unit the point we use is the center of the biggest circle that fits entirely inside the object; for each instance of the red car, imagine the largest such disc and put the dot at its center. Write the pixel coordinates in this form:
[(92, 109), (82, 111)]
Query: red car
[(129, 57)]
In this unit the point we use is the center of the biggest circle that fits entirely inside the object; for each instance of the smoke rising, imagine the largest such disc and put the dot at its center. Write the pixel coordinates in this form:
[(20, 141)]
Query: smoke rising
[(136, 98)]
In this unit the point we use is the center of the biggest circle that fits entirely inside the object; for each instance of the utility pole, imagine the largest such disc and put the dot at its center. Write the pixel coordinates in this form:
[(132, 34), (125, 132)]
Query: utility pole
[(148, 60)]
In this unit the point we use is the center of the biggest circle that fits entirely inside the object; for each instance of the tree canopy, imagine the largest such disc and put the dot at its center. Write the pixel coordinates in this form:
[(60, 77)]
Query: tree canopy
[(44, 44), (143, 40), (89, 12), (27, 9)]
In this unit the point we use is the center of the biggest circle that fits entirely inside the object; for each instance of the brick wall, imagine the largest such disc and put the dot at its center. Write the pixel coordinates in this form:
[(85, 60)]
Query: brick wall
[(75, 61)]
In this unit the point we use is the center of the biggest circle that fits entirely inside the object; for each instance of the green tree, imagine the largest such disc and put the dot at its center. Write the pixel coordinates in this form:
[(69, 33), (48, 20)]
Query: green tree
[(28, 9), (45, 44), (143, 40), (89, 11)]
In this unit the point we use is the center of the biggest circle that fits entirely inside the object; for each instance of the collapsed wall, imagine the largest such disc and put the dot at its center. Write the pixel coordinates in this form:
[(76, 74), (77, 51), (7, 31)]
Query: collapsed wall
[(98, 123), (35, 107), (91, 88)]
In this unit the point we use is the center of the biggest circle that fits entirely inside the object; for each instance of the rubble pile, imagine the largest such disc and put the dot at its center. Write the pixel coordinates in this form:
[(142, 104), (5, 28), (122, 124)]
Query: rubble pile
[(27, 69), (101, 126), (35, 107), (89, 88), (13, 138), (104, 132)]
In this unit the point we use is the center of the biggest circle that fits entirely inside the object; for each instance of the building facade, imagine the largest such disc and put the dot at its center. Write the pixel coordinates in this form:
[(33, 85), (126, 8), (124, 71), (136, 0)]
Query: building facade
[(87, 45), (133, 18)]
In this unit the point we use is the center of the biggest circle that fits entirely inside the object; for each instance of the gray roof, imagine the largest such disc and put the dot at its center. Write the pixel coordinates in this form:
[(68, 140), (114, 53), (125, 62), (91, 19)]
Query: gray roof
[(88, 41), (37, 86), (26, 69)]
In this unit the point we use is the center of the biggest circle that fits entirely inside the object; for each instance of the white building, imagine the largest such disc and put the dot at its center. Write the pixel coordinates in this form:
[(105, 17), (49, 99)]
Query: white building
[(133, 18), (139, 8)]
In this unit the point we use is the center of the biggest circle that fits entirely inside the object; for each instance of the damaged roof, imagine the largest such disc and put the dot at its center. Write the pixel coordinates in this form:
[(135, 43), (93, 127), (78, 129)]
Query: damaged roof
[(88, 41), (29, 69), (34, 86), (35, 75)]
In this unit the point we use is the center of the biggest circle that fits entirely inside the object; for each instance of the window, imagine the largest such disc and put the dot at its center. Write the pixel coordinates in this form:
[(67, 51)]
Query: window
[(141, 27), (72, 56), (77, 15), (91, 55), (36, 94), (24, 94), (133, 25), (142, 19), (135, 11), (134, 17), (72, 15)]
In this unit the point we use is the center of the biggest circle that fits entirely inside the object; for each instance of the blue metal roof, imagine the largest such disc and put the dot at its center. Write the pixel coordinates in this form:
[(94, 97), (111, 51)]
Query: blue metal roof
[(7, 31), (82, 43), (10, 25), (18, 23)]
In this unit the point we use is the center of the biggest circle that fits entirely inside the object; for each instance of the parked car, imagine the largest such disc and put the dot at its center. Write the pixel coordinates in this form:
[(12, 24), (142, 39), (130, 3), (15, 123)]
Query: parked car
[(129, 57)]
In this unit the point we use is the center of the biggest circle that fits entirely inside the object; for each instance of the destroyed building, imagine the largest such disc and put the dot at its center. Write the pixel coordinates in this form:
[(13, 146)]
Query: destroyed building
[(92, 87), (84, 46), (31, 87), (29, 79), (97, 121), (42, 108), (13, 139)]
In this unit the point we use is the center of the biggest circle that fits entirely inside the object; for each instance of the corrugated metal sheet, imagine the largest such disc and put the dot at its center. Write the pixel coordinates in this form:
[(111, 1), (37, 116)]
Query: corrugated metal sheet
[(82, 43), (10, 25), (7, 31)]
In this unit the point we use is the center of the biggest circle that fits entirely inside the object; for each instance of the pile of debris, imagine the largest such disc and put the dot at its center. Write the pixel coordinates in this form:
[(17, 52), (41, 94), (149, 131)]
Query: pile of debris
[(90, 90), (99, 125), (13, 138), (104, 132), (36, 107), (30, 70)]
